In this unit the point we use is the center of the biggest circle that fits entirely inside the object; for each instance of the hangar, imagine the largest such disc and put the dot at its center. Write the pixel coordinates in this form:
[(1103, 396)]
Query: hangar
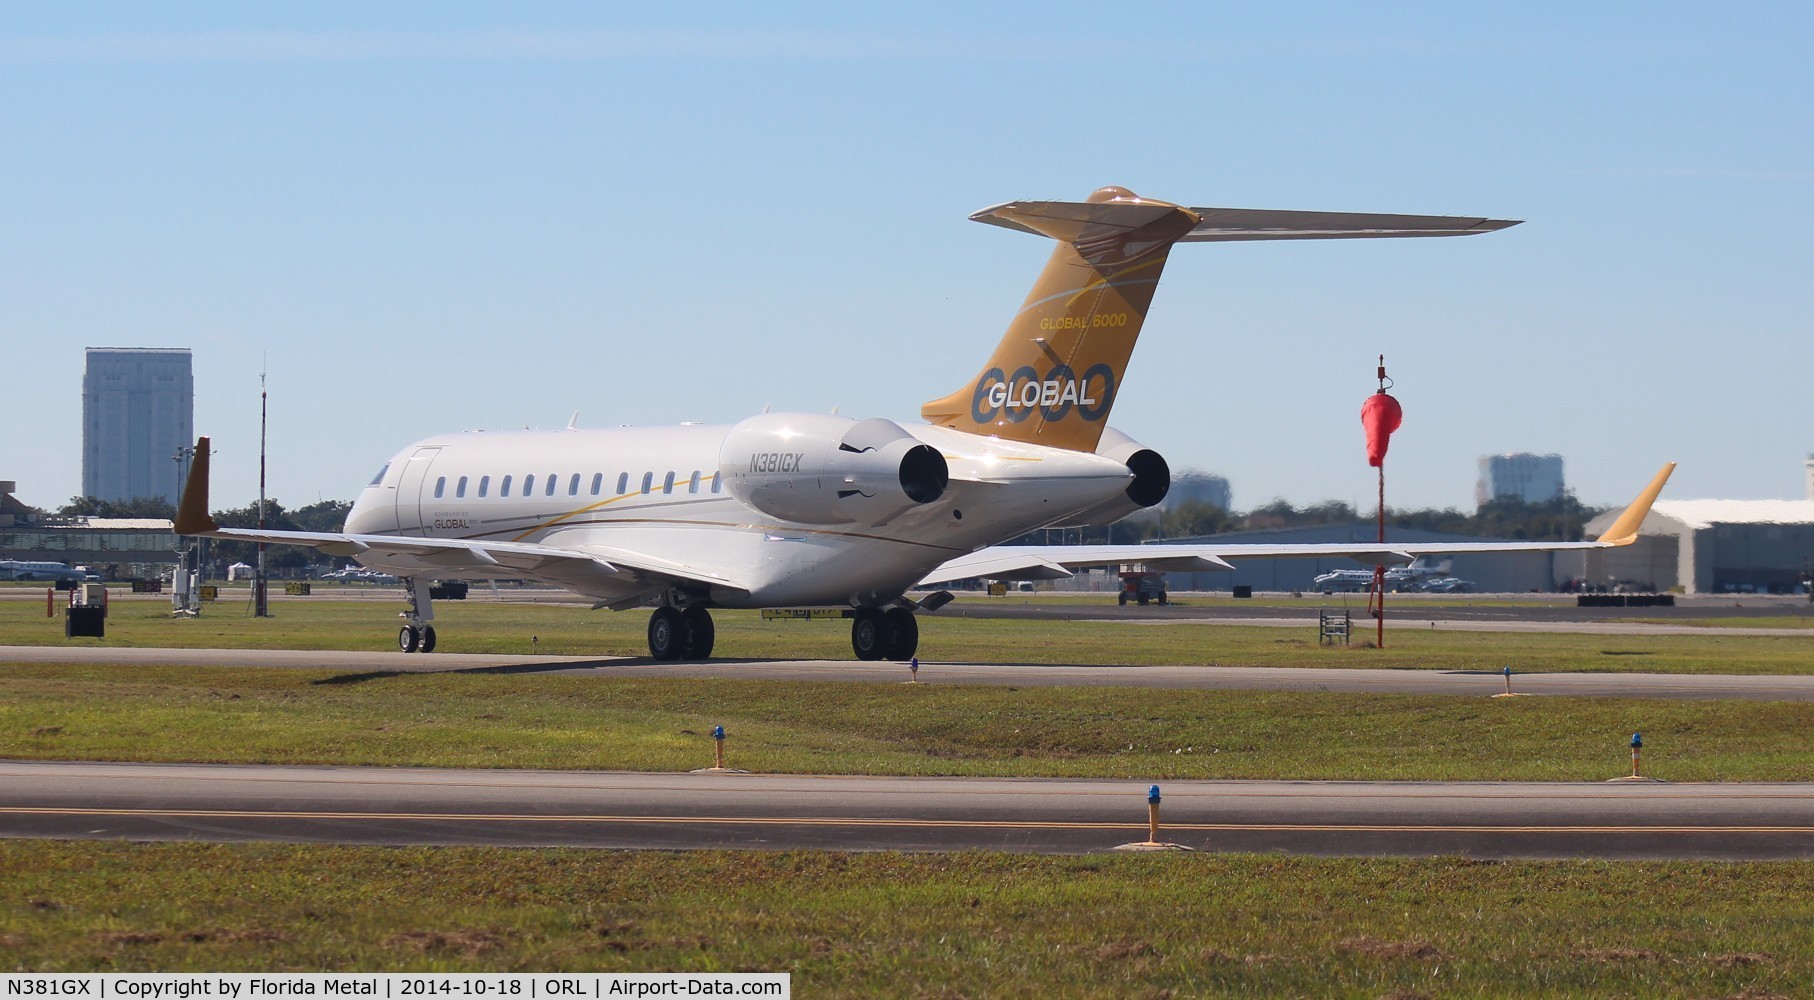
[(1706, 547)]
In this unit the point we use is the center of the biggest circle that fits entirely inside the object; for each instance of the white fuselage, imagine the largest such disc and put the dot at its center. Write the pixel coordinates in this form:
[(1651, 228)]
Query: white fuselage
[(661, 494)]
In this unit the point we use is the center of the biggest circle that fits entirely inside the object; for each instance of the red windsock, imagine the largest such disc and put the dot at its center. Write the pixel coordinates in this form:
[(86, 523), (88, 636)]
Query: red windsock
[(1380, 415)]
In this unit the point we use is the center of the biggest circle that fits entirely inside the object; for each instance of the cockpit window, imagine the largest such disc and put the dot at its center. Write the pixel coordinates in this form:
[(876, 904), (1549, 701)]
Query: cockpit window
[(379, 478)]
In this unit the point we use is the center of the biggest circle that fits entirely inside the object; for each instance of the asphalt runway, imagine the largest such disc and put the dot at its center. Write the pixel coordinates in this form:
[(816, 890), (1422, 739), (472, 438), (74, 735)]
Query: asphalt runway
[(342, 805), (361, 666)]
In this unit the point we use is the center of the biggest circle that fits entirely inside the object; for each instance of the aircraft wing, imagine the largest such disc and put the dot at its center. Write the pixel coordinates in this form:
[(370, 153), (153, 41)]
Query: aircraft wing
[(1051, 562)]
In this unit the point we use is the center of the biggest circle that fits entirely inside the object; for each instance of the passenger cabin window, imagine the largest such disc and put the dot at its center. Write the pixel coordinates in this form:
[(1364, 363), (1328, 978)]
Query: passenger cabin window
[(598, 482), (573, 486), (440, 487), (693, 483), (667, 484), (553, 480), (529, 485), (460, 490), (623, 483), (504, 487), (648, 479), (484, 485), (715, 482)]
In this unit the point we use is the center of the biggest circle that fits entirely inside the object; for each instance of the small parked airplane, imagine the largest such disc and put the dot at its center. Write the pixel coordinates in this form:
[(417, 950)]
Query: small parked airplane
[(810, 510)]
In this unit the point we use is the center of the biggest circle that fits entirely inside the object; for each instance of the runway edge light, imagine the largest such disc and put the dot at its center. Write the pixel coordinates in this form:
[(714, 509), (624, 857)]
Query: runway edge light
[(1507, 693), (1637, 745), (1152, 841), (718, 757)]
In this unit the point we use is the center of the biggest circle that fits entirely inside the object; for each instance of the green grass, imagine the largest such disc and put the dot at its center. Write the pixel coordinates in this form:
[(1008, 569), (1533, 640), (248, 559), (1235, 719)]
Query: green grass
[(925, 925), (486, 627), (534, 720)]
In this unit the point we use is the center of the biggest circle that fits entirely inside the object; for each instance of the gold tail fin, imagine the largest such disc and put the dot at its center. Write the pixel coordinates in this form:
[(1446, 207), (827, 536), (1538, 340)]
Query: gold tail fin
[(192, 517), (1055, 373), (1624, 531)]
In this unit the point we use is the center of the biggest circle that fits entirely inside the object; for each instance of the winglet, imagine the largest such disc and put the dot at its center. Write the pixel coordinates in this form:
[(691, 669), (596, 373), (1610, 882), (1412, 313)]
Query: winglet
[(192, 516), (1624, 531)]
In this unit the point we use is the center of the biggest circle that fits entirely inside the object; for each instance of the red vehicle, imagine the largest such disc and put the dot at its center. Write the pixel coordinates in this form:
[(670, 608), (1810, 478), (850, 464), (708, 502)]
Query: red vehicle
[(1142, 586)]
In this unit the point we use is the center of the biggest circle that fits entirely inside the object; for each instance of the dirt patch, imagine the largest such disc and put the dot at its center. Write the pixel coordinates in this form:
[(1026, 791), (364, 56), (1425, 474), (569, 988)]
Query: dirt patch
[(1736, 959), (48, 905), (255, 935), (468, 943), (131, 937), (1375, 948), (1123, 949), (1620, 955), (47, 731)]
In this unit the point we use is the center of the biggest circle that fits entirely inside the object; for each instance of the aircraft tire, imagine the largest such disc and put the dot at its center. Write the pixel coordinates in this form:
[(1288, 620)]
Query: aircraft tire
[(667, 634), (428, 639), (699, 634), (408, 639), (869, 634), (903, 634)]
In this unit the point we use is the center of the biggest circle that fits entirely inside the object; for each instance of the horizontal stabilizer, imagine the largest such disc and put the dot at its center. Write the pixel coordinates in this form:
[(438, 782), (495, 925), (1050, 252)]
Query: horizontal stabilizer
[(1234, 224), (1072, 221)]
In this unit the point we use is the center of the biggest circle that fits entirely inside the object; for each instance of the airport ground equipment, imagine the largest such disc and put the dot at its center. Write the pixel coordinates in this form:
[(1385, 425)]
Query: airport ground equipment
[(1142, 586)]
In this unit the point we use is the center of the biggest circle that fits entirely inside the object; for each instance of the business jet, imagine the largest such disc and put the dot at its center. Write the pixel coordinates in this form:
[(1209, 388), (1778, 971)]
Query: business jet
[(818, 511)]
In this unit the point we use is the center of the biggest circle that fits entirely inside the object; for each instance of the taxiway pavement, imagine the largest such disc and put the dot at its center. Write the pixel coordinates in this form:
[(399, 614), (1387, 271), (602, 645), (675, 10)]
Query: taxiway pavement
[(345, 805), (360, 665)]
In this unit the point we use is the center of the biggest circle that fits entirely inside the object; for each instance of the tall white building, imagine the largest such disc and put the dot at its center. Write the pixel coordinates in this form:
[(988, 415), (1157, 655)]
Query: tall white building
[(1520, 476), (1204, 487), (138, 410)]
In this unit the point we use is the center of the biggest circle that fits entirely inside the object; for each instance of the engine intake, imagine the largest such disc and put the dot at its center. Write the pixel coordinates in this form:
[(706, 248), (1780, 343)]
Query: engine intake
[(1152, 481), (814, 468)]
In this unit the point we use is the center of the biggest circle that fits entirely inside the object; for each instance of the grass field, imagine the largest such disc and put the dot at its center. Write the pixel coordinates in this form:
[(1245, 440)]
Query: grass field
[(487, 627), (926, 925), (539, 720), (941, 925)]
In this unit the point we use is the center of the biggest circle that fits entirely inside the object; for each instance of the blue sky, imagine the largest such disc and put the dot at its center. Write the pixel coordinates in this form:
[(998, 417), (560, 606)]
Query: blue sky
[(456, 215)]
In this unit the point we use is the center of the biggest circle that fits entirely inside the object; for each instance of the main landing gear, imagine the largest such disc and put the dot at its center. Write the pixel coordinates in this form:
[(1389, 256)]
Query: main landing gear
[(681, 634), (891, 634), (417, 635)]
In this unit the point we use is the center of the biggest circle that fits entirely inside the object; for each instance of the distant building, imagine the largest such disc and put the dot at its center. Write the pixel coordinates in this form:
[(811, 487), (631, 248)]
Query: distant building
[(1810, 470), (1201, 487), (115, 548), (138, 410), (1705, 547), (1521, 476)]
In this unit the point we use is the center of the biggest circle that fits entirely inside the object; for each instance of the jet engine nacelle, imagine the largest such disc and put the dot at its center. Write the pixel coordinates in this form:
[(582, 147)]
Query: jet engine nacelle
[(814, 468), (1152, 480)]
